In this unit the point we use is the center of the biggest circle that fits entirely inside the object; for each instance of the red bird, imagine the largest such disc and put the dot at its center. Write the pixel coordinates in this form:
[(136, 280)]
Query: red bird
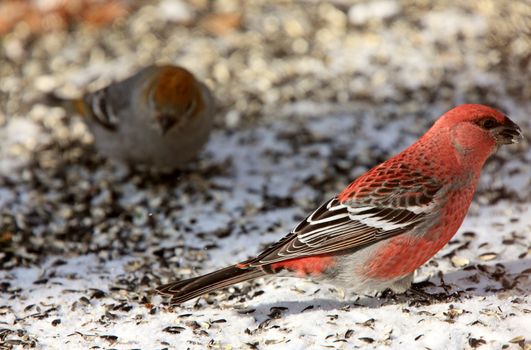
[(389, 221)]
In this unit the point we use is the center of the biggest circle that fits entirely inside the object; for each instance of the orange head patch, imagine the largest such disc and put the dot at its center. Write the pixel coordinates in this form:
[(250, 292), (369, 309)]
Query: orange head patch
[(175, 89)]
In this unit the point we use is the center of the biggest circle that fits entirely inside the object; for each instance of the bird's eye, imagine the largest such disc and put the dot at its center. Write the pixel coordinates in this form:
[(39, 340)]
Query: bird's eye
[(488, 123)]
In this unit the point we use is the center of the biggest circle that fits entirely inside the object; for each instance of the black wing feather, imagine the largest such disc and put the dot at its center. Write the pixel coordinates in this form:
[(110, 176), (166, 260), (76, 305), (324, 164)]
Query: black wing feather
[(333, 228)]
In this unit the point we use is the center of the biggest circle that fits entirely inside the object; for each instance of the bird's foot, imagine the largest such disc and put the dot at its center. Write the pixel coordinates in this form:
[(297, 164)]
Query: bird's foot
[(415, 290), (421, 296)]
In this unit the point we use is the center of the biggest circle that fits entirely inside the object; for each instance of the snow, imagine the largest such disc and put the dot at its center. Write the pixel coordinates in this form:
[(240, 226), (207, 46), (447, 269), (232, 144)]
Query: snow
[(312, 94), (16, 134), (315, 316), (380, 9)]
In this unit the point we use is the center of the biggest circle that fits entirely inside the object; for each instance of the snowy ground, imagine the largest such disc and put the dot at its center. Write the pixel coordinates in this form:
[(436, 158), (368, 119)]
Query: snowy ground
[(311, 96)]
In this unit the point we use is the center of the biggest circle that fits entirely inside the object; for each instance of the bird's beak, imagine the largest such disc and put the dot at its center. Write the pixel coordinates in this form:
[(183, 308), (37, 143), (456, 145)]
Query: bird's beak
[(508, 133), (165, 122)]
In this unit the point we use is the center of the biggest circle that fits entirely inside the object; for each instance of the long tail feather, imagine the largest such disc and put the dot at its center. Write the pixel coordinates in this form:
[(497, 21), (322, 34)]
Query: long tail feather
[(185, 290), (52, 99)]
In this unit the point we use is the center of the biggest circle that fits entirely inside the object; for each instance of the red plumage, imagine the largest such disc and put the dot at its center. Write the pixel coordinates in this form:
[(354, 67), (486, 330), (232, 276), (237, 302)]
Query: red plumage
[(387, 222)]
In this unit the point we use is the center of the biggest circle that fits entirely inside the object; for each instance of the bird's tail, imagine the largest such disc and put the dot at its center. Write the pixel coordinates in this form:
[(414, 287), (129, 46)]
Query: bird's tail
[(185, 290), (71, 106)]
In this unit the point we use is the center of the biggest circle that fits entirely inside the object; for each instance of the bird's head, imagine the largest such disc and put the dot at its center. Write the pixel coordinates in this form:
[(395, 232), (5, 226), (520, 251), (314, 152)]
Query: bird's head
[(478, 129), (176, 96)]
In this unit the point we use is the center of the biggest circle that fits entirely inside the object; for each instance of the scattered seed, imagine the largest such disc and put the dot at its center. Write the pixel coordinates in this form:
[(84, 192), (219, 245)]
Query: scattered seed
[(469, 234), (518, 339), (97, 294), (369, 323), (173, 329), (474, 343), (246, 311), (41, 281), (193, 324), (459, 261), (109, 338), (221, 320), (488, 256), (367, 340)]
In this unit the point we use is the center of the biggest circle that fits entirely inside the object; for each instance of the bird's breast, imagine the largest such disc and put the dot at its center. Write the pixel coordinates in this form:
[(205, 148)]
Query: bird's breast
[(401, 255)]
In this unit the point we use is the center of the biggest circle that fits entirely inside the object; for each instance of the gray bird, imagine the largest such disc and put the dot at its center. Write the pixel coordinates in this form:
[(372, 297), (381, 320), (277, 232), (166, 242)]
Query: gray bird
[(160, 117)]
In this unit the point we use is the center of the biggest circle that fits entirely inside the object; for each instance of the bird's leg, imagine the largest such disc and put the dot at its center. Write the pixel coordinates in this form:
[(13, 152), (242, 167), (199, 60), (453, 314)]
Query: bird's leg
[(416, 290), (386, 294)]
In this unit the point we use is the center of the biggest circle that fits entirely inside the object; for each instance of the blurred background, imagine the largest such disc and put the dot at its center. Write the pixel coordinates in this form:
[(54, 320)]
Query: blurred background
[(266, 61), (264, 58), (390, 65)]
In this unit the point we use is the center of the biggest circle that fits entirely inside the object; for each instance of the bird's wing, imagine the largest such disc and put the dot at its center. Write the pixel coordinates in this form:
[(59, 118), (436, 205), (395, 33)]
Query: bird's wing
[(354, 223), (100, 108), (107, 105)]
